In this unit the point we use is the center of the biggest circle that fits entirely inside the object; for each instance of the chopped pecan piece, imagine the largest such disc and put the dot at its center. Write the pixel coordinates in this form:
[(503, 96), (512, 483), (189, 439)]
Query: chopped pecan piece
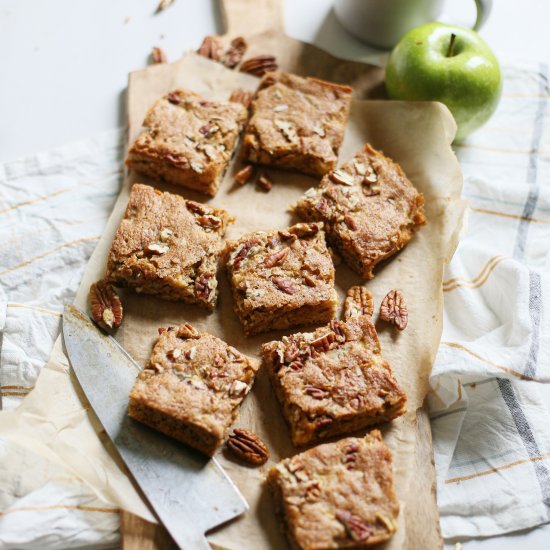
[(209, 129), (259, 65), (283, 285), (323, 342), (350, 456), (296, 365), (158, 55), (264, 182), (203, 287), (235, 52), (356, 528), (315, 392), (241, 96), (244, 175), (105, 305), (276, 258), (248, 446), (242, 253), (304, 230), (211, 48), (358, 302), (350, 222), (394, 309), (209, 222), (187, 330), (195, 207), (156, 249), (286, 236), (339, 176), (309, 280)]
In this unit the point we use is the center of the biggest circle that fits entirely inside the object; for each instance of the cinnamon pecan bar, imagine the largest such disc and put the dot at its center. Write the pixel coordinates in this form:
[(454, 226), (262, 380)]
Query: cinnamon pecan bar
[(192, 387), (281, 279), (168, 246), (333, 380), (337, 495), (188, 140), (297, 123), (370, 209)]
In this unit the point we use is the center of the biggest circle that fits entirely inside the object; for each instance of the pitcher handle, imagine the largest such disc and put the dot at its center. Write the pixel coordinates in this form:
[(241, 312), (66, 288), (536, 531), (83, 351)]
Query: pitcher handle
[(483, 10)]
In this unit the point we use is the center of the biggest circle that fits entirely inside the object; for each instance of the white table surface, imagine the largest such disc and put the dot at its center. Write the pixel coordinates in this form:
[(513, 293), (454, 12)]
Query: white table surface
[(64, 65)]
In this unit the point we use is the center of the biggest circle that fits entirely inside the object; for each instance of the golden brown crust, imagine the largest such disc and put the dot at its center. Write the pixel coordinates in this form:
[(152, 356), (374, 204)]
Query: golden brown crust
[(188, 140), (337, 495), (369, 207), (281, 279), (168, 246), (192, 387), (297, 123), (333, 381)]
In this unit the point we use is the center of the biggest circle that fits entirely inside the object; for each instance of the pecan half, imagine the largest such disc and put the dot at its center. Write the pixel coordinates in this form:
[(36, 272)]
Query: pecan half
[(394, 309), (248, 446), (186, 330), (276, 258), (241, 96), (303, 230), (358, 302), (211, 48), (235, 52), (296, 366), (259, 65), (283, 285), (264, 182), (356, 528), (105, 305), (158, 55), (309, 280), (244, 175)]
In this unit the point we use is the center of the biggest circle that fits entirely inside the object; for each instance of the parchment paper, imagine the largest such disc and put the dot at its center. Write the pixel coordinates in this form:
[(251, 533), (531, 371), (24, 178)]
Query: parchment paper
[(418, 136)]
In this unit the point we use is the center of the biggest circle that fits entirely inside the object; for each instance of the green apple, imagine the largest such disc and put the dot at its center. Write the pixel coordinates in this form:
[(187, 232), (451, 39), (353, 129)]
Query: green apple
[(454, 65)]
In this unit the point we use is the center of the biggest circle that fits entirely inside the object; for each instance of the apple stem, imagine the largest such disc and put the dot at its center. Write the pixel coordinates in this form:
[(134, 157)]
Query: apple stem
[(451, 45)]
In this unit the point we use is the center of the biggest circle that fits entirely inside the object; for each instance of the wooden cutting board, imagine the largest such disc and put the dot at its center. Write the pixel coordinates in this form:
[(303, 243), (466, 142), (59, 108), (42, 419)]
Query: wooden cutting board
[(265, 17)]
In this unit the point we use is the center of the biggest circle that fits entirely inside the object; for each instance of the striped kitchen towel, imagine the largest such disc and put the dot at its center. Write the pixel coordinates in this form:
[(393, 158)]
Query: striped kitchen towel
[(489, 420)]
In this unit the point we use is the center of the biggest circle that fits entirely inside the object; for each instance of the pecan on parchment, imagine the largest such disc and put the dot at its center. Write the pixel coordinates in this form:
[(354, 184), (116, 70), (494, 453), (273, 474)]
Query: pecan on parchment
[(264, 182), (356, 528), (244, 175), (248, 446), (235, 52), (259, 65), (163, 4), (158, 55), (195, 207), (211, 48), (358, 302), (393, 309), (105, 305)]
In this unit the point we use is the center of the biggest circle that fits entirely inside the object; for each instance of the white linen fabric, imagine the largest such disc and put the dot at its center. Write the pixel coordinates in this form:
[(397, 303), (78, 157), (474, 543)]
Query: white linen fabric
[(491, 435)]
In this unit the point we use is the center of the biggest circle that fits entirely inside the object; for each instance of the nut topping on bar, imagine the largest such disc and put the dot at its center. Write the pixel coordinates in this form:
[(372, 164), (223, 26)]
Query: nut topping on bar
[(393, 309), (248, 446), (105, 305)]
